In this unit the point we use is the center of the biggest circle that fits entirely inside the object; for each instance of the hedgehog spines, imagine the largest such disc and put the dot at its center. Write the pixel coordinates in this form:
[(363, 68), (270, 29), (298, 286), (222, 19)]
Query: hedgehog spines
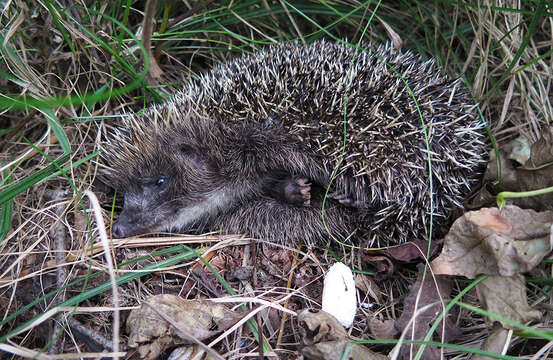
[(298, 94)]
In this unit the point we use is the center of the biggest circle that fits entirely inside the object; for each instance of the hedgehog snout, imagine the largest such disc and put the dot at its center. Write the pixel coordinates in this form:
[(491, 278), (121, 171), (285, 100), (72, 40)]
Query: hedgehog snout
[(130, 223), (118, 230), (123, 226)]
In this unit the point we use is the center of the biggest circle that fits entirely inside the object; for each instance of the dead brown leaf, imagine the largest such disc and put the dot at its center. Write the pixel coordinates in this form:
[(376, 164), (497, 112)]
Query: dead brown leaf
[(326, 339), (384, 260), (428, 291), (414, 250), (506, 296), (383, 329), (319, 326), (208, 279), (367, 285), (152, 334), (384, 266), (494, 343), (524, 167), (496, 242), (335, 350), (189, 352)]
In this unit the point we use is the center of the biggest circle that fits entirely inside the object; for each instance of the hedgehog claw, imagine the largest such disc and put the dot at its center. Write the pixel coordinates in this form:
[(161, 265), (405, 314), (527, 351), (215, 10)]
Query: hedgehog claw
[(294, 191), (298, 191), (345, 200)]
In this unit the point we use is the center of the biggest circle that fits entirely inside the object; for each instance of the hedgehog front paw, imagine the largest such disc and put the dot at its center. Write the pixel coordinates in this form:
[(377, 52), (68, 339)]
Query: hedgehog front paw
[(289, 189), (297, 191)]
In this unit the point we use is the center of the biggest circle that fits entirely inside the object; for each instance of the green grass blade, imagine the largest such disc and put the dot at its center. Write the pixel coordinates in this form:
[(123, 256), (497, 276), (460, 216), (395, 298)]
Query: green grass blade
[(12, 190), (56, 127), (85, 295), (6, 216)]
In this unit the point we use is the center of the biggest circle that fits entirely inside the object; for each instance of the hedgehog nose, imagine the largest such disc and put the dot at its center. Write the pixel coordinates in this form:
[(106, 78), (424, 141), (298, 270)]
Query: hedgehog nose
[(129, 223), (123, 228), (118, 230)]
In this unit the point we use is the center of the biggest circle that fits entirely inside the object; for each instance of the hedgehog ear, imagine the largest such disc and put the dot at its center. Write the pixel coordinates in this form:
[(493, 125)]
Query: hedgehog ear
[(189, 151), (186, 149), (194, 156)]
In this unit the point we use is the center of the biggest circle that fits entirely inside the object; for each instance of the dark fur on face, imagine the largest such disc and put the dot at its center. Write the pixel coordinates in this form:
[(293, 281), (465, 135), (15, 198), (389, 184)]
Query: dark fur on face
[(209, 181)]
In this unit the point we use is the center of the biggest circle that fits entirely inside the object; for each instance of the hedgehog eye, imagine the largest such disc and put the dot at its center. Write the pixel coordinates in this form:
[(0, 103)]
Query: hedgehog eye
[(161, 181)]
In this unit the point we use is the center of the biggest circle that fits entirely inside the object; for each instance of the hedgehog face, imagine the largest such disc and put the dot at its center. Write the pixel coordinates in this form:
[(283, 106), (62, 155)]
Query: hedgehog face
[(168, 190)]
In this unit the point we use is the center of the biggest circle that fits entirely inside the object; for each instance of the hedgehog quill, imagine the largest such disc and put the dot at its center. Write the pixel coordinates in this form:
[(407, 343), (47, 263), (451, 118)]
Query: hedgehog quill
[(250, 147)]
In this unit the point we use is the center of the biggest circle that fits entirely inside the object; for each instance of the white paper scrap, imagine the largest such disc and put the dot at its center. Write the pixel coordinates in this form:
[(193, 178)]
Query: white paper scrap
[(339, 296)]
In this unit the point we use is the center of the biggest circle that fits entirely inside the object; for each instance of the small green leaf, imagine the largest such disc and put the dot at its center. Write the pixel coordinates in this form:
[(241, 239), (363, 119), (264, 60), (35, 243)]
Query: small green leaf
[(500, 200), (57, 129)]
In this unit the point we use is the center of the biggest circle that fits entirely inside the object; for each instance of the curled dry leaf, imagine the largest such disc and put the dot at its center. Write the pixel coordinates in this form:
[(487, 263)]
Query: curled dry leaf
[(520, 150), (151, 333), (189, 352), (335, 350), (319, 326), (495, 242), (326, 339), (524, 167), (506, 296), (367, 285), (429, 291), (394, 36), (414, 250), (384, 266), (382, 330), (494, 343)]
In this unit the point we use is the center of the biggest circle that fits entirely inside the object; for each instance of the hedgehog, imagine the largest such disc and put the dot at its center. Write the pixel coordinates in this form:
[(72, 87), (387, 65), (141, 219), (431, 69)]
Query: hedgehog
[(302, 143)]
